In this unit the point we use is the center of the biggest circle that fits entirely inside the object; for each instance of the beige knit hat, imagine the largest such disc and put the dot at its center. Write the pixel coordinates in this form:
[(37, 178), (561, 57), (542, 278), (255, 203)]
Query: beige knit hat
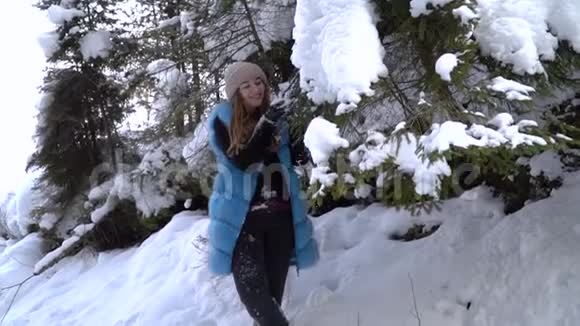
[(240, 72)]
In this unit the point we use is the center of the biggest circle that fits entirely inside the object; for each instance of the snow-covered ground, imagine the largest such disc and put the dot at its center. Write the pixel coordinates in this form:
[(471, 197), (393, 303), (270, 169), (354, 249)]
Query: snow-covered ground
[(479, 268)]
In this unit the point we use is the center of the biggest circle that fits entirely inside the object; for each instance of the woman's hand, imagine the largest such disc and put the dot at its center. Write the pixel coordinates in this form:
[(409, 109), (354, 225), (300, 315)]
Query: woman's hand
[(274, 114), (274, 144)]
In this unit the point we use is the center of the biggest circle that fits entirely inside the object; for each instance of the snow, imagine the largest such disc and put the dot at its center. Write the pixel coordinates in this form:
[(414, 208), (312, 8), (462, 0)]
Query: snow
[(171, 86), (196, 153), (564, 137), (410, 154), (47, 221), (475, 113), (96, 44), (118, 190), (337, 50), (18, 208), (400, 126), (101, 191), (512, 89), (17, 260), (502, 120), (153, 185), (449, 133), (363, 191), (520, 33), (59, 15), (184, 20), (456, 133), (51, 257), (49, 42), (422, 100), (74, 30), (445, 65), (419, 7), (349, 178), (464, 13), (547, 163), (321, 174), (527, 123), (169, 22), (187, 25), (406, 154), (82, 229), (518, 270), (322, 138)]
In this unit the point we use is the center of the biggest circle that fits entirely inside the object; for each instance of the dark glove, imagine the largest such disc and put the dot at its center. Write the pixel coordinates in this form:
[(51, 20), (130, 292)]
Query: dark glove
[(274, 114)]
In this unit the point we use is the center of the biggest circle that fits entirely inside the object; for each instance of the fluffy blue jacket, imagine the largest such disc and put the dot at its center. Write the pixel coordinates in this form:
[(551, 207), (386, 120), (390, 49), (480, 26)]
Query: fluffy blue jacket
[(233, 190)]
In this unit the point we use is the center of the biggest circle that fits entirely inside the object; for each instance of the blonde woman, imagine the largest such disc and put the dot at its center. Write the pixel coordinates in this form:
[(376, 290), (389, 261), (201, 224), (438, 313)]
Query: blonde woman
[(258, 220)]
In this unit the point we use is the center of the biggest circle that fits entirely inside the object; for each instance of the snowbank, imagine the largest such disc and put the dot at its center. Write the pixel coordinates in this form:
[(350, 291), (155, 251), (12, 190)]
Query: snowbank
[(479, 268)]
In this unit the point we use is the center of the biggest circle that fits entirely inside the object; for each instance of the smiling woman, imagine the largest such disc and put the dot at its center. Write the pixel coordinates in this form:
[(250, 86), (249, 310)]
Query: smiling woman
[(21, 65)]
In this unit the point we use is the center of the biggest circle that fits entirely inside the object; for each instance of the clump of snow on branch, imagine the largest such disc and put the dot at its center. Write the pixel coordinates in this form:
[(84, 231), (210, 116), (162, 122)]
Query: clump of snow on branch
[(16, 212), (512, 89), (419, 7), (196, 152), (96, 44), (337, 50), (184, 21), (410, 153), (521, 32), (443, 136), (322, 138), (445, 65), (49, 42), (59, 15), (54, 255), (465, 14), (171, 86), (405, 154), (153, 185)]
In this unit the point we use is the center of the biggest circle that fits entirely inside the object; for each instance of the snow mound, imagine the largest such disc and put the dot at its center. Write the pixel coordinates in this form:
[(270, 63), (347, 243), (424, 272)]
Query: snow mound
[(479, 268)]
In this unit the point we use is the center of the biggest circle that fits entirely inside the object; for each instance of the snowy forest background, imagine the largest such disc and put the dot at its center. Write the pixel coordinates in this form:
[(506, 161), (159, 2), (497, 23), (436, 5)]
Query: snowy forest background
[(405, 103)]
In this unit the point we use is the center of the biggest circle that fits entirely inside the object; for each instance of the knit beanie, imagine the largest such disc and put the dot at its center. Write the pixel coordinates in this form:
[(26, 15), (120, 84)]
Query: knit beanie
[(240, 72)]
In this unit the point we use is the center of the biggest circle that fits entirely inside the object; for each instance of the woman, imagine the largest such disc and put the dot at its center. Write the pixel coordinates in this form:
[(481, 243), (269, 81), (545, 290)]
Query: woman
[(258, 221)]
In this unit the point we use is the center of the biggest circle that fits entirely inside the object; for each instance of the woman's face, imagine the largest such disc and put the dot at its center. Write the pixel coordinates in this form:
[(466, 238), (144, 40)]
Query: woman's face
[(252, 93)]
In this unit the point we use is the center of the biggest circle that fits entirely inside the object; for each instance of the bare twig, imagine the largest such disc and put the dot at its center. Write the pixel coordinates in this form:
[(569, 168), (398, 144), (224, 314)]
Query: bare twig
[(19, 285), (416, 312)]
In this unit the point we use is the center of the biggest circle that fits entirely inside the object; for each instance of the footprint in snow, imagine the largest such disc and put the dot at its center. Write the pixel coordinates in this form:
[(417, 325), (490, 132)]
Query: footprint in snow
[(318, 296)]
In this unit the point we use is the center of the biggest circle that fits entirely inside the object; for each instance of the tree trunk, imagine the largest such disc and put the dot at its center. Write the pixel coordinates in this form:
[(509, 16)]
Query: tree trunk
[(265, 60)]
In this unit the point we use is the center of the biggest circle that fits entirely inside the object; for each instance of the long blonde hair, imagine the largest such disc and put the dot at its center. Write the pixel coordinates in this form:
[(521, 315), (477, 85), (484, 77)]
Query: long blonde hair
[(243, 124)]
